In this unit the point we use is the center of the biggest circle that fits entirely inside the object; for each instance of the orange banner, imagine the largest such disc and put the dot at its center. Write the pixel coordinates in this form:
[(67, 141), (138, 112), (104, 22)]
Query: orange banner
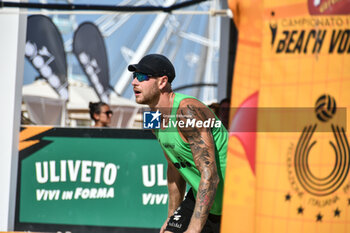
[(291, 54)]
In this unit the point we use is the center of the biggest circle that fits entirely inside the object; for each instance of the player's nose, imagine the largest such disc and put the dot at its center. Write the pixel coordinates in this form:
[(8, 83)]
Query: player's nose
[(134, 82)]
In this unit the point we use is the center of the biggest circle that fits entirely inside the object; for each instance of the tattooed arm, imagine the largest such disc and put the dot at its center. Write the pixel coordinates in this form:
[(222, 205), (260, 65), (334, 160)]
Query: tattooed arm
[(176, 188), (203, 152)]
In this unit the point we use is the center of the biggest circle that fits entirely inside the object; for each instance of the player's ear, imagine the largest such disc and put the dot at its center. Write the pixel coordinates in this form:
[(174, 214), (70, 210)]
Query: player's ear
[(163, 82)]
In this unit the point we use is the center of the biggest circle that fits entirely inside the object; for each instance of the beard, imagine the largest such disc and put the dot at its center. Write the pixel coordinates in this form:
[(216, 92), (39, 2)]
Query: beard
[(149, 96)]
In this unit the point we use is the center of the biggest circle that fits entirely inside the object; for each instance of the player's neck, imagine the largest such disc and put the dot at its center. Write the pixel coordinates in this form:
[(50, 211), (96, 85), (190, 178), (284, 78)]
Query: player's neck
[(165, 102)]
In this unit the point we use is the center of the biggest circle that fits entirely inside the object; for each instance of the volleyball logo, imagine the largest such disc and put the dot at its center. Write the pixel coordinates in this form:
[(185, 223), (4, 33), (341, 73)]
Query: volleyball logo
[(325, 108), (318, 167), (313, 184)]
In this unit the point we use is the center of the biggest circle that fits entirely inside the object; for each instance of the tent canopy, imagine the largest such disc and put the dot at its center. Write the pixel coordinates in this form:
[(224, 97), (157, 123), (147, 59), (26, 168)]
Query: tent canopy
[(44, 106)]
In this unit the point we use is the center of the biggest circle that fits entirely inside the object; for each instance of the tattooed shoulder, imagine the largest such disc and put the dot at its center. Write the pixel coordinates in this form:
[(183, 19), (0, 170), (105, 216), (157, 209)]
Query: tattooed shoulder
[(199, 137), (193, 109)]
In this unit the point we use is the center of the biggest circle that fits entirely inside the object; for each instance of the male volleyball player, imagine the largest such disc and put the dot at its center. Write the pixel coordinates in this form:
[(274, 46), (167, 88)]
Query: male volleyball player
[(196, 152)]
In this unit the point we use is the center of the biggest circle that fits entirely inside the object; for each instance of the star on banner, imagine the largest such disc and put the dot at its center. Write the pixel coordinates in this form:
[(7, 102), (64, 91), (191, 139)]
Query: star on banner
[(337, 212), (319, 217), (288, 197), (300, 210)]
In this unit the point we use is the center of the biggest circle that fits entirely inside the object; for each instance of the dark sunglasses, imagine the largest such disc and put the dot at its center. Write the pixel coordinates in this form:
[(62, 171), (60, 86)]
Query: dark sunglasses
[(108, 113), (141, 77)]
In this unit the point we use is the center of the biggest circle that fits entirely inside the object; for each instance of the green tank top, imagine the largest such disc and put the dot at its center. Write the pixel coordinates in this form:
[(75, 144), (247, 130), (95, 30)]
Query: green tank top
[(180, 153)]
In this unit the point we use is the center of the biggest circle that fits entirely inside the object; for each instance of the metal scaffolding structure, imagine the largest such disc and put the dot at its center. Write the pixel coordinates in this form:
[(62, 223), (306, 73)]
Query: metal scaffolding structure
[(191, 41)]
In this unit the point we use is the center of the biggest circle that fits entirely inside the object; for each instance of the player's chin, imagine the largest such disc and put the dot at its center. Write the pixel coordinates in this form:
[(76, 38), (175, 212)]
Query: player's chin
[(140, 100)]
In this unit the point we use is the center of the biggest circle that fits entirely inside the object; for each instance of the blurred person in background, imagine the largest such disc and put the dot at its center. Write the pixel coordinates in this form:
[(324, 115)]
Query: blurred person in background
[(100, 113), (215, 108), (224, 111)]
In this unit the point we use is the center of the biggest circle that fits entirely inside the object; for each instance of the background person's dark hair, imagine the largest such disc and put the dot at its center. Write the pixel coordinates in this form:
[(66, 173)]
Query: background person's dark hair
[(95, 107), (214, 107), (224, 111), (226, 100)]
